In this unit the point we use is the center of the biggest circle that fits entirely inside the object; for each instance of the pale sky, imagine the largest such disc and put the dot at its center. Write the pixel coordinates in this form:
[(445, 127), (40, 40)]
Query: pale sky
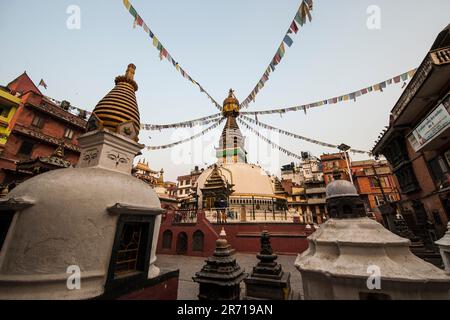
[(226, 44)]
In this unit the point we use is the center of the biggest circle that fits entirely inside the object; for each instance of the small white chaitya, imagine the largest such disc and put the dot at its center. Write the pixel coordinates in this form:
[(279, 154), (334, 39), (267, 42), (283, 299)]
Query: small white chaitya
[(96, 218), (353, 257)]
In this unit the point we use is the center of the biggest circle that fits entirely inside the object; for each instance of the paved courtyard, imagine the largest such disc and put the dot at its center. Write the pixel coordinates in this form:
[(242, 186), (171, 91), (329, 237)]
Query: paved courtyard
[(188, 289)]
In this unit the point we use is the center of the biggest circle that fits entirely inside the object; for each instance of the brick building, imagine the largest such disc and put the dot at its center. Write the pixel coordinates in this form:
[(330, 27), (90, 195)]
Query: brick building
[(40, 125), (375, 184), (333, 163), (8, 115), (417, 143)]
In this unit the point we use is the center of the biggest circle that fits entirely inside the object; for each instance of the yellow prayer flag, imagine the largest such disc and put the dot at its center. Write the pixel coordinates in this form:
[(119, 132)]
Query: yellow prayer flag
[(376, 87), (345, 98), (155, 41), (411, 73), (127, 4)]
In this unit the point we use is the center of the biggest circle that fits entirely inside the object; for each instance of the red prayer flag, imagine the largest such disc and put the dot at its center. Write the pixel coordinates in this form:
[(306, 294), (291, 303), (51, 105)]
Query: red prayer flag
[(294, 27)]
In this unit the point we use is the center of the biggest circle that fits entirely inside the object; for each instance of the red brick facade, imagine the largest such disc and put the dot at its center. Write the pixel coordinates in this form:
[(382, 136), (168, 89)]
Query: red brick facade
[(331, 162), (39, 127)]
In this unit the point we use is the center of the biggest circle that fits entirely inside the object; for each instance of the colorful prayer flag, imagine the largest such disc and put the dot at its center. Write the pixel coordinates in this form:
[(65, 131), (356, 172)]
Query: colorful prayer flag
[(288, 40), (127, 4), (294, 27)]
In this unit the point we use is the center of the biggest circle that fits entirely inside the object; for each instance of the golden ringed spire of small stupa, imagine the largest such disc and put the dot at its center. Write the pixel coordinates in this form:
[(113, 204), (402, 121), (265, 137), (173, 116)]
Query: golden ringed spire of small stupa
[(119, 105)]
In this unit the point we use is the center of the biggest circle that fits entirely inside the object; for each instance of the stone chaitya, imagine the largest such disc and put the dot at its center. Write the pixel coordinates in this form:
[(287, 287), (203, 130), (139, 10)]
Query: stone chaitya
[(221, 276), (353, 257), (268, 280), (95, 218)]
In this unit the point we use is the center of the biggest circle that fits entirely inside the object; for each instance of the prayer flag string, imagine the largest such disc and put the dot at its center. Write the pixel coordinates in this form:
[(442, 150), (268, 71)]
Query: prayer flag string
[(163, 52), (346, 97), (296, 136), (302, 15)]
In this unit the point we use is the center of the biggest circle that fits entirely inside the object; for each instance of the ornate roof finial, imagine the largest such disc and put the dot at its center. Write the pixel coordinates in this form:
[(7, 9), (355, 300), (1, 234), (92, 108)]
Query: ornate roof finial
[(59, 152), (131, 69), (231, 105)]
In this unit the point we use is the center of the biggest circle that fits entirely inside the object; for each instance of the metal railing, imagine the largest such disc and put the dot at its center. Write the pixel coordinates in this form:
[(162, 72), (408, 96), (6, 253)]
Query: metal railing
[(185, 216)]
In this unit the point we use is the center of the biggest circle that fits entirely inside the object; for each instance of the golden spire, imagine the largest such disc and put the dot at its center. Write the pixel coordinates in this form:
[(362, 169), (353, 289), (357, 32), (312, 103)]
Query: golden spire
[(230, 105), (119, 105), (59, 152)]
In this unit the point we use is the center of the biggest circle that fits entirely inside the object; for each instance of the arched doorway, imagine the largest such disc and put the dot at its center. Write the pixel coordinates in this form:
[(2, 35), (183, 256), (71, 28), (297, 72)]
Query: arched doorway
[(167, 239), (198, 240), (182, 243)]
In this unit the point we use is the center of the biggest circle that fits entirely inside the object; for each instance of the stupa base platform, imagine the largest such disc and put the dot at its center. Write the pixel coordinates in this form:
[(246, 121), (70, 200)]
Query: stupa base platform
[(197, 237), (162, 287)]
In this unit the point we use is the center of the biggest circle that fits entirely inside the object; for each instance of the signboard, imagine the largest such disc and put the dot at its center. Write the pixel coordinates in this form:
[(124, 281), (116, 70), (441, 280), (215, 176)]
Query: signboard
[(437, 121)]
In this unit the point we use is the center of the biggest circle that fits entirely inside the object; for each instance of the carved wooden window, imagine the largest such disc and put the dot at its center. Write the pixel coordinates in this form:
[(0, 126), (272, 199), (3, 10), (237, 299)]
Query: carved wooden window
[(68, 133), (4, 111), (131, 251), (440, 171), (38, 121), (5, 222)]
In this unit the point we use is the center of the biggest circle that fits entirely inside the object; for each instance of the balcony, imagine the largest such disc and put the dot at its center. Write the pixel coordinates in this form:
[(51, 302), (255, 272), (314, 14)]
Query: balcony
[(316, 201), (315, 190)]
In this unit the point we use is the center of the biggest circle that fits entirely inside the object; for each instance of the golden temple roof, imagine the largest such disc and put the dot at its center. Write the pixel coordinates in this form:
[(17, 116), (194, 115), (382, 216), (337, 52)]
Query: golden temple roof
[(119, 105), (230, 105), (143, 166)]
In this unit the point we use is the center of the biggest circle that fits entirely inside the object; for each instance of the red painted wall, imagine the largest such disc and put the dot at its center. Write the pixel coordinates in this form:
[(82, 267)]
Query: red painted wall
[(286, 238)]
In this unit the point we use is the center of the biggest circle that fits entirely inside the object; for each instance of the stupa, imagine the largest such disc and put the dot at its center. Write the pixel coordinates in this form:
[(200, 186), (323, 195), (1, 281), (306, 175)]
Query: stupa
[(221, 276), (268, 280), (245, 189), (95, 220), (353, 257)]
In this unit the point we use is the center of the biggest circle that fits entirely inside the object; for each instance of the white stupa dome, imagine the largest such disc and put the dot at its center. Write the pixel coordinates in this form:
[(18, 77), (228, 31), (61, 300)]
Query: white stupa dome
[(68, 224), (248, 179)]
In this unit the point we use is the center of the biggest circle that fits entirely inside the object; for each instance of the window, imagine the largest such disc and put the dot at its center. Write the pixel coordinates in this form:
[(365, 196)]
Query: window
[(374, 182), (379, 200), (68, 133), (26, 148), (132, 248), (38, 122), (439, 170), (167, 239), (5, 222), (4, 111)]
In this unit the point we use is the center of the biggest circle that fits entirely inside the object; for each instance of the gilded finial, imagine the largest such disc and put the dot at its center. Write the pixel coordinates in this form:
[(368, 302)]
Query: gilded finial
[(230, 105), (59, 152), (131, 69)]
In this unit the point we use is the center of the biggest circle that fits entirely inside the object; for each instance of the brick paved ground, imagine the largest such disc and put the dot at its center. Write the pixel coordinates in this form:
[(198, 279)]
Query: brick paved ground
[(188, 289)]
